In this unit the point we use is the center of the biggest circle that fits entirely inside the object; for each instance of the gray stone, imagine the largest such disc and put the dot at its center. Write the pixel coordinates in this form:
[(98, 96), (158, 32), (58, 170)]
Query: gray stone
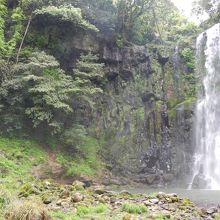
[(154, 201)]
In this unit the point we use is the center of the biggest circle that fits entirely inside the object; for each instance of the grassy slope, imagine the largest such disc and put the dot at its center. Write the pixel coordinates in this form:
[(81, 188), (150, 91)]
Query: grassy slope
[(86, 162), (18, 156)]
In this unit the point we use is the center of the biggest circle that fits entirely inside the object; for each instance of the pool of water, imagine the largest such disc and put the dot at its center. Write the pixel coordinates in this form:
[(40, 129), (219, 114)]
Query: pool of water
[(203, 198)]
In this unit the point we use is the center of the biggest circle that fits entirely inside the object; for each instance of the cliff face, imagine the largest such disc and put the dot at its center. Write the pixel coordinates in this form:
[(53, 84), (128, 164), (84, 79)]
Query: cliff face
[(145, 133), (141, 124)]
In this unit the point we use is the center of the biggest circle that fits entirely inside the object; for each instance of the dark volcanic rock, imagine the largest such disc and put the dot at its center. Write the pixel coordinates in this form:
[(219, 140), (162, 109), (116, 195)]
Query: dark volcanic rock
[(143, 133)]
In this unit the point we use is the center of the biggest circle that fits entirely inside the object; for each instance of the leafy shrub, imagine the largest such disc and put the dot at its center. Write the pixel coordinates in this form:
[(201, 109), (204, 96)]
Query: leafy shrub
[(38, 90), (14, 29), (65, 14), (189, 58), (91, 71), (74, 137), (84, 149)]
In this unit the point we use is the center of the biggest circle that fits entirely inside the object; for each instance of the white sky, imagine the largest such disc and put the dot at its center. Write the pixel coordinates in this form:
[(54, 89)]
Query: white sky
[(184, 5)]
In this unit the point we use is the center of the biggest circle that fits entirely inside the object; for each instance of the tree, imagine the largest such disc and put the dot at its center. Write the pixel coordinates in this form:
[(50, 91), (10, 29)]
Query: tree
[(40, 92), (144, 21), (10, 33), (210, 8), (128, 14), (101, 13), (64, 14), (55, 15), (89, 69), (3, 13)]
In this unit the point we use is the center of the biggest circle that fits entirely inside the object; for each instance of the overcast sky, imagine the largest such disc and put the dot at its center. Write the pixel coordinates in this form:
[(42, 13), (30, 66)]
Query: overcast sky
[(184, 5)]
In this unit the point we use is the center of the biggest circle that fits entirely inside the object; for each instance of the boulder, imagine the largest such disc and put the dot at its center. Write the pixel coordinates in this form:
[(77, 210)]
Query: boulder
[(154, 201), (77, 197), (77, 185)]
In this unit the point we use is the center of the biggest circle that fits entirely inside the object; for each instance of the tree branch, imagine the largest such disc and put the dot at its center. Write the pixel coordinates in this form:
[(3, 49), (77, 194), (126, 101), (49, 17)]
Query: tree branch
[(22, 41)]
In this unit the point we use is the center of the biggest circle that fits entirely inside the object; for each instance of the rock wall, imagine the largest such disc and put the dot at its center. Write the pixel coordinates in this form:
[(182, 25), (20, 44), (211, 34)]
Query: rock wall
[(142, 127), (182, 118), (145, 137)]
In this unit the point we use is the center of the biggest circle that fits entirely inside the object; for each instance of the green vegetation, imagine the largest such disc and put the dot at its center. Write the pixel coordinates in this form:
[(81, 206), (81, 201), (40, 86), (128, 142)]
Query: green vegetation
[(74, 80), (62, 215), (134, 208), (22, 197), (17, 158), (3, 12), (189, 58), (161, 217), (8, 45), (88, 68), (43, 90), (5, 199), (84, 210), (37, 95), (68, 14), (187, 202), (27, 210), (210, 8), (85, 161), (191, 85)]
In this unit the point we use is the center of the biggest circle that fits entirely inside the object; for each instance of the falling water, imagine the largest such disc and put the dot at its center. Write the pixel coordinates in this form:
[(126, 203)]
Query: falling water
[(208, 108)]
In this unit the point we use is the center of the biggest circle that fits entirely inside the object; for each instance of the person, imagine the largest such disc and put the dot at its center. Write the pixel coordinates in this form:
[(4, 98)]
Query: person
[(199, 181)]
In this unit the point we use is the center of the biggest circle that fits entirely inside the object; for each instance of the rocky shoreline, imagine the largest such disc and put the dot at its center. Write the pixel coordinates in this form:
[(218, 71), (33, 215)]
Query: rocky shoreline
[(80, 201)]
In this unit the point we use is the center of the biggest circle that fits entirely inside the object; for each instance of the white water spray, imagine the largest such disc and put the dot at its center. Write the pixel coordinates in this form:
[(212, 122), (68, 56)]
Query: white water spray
[(208, 107)]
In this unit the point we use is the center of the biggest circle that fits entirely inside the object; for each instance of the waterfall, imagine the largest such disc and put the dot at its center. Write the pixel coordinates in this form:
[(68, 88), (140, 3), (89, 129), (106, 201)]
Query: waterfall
[(207, 155)]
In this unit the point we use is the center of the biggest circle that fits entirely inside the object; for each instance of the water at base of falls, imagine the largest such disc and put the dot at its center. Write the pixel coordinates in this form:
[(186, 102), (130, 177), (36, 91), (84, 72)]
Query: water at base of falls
[(207, 155)]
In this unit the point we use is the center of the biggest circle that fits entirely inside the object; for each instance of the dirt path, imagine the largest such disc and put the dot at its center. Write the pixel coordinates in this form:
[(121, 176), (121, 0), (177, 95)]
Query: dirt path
[(51, 169)]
